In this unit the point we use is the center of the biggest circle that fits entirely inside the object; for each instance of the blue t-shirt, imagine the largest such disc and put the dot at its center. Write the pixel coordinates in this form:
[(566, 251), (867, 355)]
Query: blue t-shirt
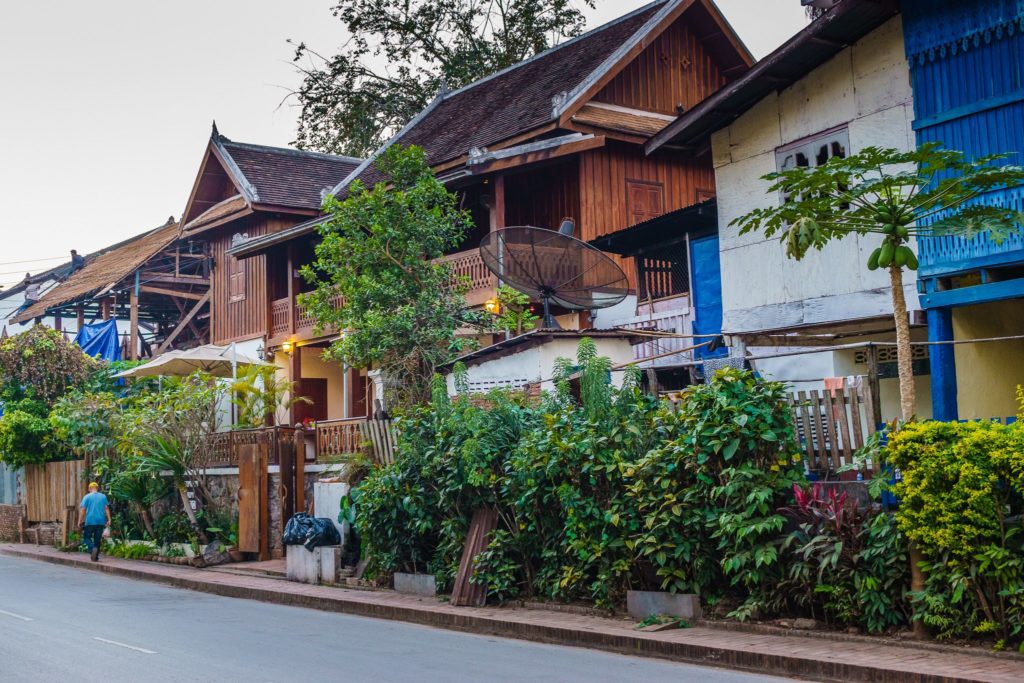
[(95, 504)]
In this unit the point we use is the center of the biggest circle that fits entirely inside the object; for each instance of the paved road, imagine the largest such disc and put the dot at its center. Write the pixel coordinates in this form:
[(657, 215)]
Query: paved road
[(63, 624)]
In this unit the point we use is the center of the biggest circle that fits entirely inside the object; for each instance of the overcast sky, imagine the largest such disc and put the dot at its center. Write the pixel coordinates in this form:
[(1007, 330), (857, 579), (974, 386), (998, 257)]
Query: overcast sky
[(106, 106)]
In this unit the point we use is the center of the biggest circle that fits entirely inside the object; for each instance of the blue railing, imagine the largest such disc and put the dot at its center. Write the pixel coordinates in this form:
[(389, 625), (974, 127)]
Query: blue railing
[(951, 254)]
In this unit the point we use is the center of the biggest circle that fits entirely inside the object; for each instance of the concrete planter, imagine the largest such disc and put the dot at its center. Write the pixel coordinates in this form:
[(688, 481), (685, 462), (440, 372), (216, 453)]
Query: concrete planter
[(642, 604), (416, 584)]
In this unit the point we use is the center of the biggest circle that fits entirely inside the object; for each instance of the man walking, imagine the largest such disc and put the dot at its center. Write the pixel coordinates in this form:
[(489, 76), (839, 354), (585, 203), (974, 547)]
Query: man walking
[(93, 517)]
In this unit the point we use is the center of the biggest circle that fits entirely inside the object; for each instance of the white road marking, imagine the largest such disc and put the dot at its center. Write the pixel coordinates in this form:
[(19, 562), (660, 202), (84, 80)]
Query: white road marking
[(130, 647), (16, 616)]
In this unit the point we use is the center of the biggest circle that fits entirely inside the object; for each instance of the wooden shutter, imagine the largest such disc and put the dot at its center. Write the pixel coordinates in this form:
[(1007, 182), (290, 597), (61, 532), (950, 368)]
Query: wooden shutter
[(236, 279), (645, 199)]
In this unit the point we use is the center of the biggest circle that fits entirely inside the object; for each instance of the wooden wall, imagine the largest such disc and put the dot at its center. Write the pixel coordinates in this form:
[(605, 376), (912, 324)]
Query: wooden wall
[(604, 175), (543, 196), (247, 318), (674, 69), (52, 488)]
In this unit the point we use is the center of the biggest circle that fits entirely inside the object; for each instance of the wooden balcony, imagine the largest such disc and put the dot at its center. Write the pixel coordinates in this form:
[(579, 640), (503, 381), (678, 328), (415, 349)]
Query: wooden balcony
[(288, 319), (468, 264), (952, 254)]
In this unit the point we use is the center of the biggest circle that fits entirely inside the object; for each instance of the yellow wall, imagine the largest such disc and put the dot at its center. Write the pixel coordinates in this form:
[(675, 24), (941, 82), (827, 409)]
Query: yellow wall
[(315, 366), (987, 374)]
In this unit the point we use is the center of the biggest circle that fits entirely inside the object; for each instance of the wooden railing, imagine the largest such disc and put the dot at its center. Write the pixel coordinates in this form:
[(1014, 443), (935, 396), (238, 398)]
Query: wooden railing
[(221, 448), (336, 438), (831, 426), (468, 264), (951, 253), (281, 318)]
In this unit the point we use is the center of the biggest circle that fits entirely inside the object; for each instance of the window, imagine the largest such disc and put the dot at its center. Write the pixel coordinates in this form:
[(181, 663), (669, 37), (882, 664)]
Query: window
[(663, 271), (644, 200), (813, 151), (236, 279)]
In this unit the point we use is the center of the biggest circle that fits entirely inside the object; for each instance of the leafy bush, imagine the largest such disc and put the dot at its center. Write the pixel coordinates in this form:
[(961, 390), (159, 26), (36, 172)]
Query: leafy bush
[(962, 493), (23, 437), (597, 489), (42, 365)]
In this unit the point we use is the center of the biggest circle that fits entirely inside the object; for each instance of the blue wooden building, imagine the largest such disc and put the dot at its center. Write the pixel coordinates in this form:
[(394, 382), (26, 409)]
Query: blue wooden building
[(966, 59)]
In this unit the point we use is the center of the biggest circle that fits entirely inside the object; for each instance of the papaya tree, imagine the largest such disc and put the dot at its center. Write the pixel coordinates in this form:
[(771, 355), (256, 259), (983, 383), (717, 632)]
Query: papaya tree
[(900, 196)]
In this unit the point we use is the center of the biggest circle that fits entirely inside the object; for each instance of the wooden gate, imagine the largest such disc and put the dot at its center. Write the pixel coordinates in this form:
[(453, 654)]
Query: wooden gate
[(253, 503), (51, 488)]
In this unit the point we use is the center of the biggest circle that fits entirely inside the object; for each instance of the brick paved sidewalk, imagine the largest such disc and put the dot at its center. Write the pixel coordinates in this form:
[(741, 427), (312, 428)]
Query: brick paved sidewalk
[(793, 655)]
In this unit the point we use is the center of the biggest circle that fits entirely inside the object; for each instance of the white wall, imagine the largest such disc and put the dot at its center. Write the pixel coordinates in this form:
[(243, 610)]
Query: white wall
[(867, 87), (537, 364)]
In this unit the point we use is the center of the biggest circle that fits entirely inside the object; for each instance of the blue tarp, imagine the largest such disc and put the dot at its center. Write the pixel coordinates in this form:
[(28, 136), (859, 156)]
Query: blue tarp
[(707, 283), (100, 340)]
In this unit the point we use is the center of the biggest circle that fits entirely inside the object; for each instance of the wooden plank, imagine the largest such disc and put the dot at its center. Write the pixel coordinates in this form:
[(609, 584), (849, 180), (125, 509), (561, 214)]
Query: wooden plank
[(842, 416), (816, 417), (182, 323), (195, 296), (133, 324), (854, 398), (464, 592), (248, 499), (808, 436)]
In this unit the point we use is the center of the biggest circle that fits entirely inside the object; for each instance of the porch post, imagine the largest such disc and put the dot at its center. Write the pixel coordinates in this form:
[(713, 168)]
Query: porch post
[(296, 378), (292, 305), (80, 317), (498, 204), (942, 359), (133, 321)]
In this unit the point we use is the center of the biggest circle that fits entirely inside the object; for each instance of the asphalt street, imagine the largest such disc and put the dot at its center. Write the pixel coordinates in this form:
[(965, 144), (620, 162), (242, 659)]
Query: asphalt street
[(63, 624)]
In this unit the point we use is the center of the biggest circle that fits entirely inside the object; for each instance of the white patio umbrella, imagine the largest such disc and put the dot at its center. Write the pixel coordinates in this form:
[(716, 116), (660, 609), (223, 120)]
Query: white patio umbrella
[(219, 361)]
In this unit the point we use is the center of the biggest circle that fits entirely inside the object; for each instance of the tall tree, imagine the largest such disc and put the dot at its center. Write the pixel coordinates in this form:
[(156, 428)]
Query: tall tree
[(399, 308), (924, 192), (400, 54)]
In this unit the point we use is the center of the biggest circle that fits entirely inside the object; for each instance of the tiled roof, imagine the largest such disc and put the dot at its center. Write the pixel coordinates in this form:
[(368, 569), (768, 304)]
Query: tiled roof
[(516, 99), (288, 177), (105, 270)]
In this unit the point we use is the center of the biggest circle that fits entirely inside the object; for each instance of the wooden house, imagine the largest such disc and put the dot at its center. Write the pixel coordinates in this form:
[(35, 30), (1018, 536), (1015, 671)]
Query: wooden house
[(966, 60), (245, 194), (155, 285), (561, 135), (836, 87)]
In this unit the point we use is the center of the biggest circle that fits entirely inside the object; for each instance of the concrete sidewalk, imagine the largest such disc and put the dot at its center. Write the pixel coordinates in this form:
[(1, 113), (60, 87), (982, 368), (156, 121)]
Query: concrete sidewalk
[(789, 655)]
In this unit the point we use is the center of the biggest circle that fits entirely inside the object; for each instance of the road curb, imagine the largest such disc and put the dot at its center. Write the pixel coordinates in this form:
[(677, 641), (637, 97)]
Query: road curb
[(640, 644)]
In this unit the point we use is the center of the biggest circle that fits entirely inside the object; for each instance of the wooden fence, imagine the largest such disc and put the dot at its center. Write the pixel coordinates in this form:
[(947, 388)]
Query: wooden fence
[(831, 426), (51, 488), (336, 438)]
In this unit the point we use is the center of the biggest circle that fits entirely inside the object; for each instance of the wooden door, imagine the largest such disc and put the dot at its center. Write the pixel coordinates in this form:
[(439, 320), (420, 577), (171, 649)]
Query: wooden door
[(253, 518), (315, 389)]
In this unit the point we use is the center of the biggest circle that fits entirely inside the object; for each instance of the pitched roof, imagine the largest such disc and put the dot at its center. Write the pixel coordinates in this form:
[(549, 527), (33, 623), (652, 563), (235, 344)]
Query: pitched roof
[(532, 93), (842, 25), (285, 177), (107, 269)]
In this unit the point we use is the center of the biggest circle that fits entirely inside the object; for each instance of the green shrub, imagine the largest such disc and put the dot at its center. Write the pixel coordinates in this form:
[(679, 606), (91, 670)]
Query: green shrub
[(23, 438), (962, 493)]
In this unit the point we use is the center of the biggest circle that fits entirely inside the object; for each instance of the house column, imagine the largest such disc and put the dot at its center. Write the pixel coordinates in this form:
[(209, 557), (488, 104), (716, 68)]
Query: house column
[(942, 359)]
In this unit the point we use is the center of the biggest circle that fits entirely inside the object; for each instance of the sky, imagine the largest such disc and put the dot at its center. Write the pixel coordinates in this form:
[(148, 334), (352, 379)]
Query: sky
[(105, 107)]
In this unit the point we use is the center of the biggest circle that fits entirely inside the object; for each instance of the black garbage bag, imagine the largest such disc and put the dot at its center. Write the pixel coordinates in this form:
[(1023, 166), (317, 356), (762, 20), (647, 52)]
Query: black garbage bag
[(297, 530), (323, 532)]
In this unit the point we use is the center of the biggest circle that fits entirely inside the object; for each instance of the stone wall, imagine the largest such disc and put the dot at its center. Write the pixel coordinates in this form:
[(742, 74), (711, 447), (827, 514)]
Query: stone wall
[(9, 516)]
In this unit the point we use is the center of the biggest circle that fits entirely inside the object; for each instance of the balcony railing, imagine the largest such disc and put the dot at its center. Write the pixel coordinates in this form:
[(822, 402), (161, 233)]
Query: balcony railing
[(468, 264), (950, 254), (281, 318)]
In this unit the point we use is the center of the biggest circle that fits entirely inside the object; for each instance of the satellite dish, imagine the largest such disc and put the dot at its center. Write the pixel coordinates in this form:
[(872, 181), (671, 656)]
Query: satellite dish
[(555, 268)]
